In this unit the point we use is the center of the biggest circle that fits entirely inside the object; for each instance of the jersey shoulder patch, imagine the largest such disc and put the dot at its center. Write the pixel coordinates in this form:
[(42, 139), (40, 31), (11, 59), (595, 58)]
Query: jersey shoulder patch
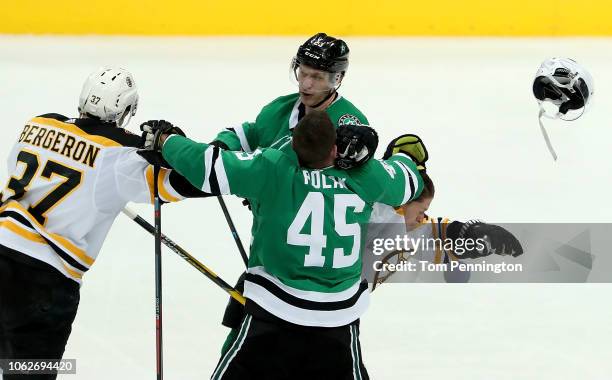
[(348, 119), (343, 112)]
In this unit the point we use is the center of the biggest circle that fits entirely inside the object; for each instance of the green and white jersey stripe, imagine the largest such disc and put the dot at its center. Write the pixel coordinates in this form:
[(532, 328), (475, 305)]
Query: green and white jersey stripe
[(233, 351), (355, 352), (306, 308)]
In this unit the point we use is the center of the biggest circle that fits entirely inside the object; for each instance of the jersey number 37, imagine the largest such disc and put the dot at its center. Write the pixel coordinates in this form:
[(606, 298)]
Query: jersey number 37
[(19, 185)]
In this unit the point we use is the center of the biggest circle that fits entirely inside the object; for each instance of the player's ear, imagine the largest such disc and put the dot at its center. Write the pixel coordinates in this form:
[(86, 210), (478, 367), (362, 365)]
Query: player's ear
[(334, 152)]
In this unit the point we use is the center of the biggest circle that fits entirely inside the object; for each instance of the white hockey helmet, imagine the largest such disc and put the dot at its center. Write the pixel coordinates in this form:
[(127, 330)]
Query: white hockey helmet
[(563, 88), (109, 94)]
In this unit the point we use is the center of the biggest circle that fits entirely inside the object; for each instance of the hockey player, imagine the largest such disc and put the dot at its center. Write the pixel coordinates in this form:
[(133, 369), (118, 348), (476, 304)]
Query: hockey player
[(411, 220), (69, 178), (500, 240), (303, 286), (318, 67)]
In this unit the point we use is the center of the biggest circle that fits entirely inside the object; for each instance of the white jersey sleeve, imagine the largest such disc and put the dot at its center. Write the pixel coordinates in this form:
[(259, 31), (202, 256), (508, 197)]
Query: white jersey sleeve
[(126, 176)]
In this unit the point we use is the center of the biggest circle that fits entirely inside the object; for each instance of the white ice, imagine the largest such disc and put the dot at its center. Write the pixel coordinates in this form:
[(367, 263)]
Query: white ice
[(470, 100)]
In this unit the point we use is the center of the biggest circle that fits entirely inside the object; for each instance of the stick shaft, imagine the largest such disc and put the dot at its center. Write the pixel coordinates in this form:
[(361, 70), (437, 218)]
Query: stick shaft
[(158, 278), (232, 227), (187, 257)]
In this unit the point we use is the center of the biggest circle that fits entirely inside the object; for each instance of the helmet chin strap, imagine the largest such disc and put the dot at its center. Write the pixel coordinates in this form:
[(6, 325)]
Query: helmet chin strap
[(332, 92), (545, 134), (124, 120)]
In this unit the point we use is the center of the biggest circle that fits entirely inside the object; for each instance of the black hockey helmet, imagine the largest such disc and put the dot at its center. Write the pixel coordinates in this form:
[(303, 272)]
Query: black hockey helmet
[(323, 52)]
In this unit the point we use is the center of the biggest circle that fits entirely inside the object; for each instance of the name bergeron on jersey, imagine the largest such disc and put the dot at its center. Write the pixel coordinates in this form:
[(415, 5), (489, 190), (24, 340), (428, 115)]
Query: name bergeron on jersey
[(60, 142)]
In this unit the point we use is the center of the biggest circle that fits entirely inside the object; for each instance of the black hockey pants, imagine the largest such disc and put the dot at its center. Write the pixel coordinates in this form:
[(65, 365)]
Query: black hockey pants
[(266, 350), (37, 307)]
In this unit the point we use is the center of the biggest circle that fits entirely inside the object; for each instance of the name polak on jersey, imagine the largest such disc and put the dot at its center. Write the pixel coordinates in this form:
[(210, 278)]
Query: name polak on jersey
[(322, 181), (60, 142)]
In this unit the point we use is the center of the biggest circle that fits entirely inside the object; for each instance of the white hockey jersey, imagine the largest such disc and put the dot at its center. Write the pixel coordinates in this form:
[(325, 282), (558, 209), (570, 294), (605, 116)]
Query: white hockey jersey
[(388, 223), (69, 179)]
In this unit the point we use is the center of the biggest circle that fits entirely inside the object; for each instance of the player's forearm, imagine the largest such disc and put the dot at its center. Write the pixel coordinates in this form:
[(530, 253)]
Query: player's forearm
[(410, 170), (187, 158), (403, 183), (230, 139)]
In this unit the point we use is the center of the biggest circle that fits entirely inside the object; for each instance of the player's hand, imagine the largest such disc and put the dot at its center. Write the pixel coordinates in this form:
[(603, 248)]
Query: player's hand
[(152, 132), (497, 240), (152, 141), (356, 145), (411, 145)]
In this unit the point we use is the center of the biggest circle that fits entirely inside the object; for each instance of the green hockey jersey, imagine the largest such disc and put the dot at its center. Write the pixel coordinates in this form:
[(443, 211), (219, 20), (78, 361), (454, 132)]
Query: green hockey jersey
[(277, 119), (305, 261)]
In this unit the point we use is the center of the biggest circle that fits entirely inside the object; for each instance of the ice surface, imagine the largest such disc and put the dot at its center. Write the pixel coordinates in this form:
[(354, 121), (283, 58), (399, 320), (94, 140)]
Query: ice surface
[(469, 99)]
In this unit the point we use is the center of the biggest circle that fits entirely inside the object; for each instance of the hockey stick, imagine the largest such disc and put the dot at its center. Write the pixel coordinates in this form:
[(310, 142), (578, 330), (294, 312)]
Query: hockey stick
[(186, 256), (379, 276), (230, 223), (158, 277)]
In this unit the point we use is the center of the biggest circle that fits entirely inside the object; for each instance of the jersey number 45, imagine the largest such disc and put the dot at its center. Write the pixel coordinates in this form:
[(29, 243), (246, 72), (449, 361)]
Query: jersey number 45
[(314, 207)]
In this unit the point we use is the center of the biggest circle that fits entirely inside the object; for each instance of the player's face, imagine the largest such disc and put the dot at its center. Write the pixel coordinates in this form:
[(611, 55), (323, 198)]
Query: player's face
[(314, 85), (414, 212)]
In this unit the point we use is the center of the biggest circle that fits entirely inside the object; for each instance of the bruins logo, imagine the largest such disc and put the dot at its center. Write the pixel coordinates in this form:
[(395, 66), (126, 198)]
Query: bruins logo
[(348, 119)]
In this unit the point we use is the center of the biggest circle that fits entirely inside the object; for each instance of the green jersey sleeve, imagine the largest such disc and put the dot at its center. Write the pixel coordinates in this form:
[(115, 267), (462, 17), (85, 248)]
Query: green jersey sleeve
[(394, 182), (217, 171), (243, 137), (249, 136)]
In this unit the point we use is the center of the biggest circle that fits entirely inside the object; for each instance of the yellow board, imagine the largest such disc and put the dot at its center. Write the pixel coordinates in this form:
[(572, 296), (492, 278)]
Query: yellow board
[(286, 17)]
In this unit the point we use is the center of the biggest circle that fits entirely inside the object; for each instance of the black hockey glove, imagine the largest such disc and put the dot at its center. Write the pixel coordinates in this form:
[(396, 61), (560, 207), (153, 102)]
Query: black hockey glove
[(152, 132), (489, 239), (356, 145)]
